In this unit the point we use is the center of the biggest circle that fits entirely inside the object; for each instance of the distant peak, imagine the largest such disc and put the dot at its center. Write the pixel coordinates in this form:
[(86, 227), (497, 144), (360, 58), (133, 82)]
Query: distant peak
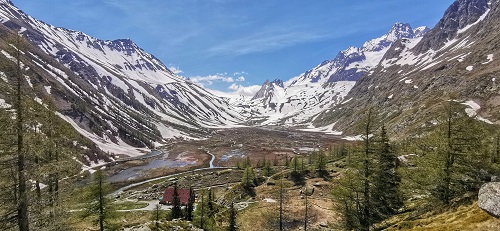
[(278, 82), (400, 30), (350, 50), (421, 31)]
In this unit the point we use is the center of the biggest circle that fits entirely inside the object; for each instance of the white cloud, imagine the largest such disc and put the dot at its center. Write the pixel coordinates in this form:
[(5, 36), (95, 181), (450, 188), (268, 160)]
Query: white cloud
[(233, 87), (244, 90), (210, 79), (240, 73), (240, 79), (175, 69), (228, 80)]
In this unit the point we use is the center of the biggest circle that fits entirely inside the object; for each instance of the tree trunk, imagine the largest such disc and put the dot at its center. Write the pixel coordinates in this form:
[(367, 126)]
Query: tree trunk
[(22, 211)]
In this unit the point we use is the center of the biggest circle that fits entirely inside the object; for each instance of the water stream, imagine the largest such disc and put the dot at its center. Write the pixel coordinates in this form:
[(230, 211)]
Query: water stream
[(212, 160)]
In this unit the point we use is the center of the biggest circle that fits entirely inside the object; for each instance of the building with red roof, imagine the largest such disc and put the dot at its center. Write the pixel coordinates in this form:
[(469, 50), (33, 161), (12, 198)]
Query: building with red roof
[(168, 196)]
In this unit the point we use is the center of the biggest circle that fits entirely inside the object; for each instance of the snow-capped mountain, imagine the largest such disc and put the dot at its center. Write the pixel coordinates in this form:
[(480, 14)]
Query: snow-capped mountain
[(300, 99), (454, 60), (114, 92)]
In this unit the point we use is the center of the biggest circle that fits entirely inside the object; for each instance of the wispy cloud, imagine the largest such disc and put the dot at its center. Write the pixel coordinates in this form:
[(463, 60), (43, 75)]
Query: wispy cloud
[(211, 79), (175, 69), (244, 90), (265, 41)]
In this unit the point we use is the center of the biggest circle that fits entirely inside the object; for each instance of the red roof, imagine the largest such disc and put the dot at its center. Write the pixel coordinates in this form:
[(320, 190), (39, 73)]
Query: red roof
[(168, 196)]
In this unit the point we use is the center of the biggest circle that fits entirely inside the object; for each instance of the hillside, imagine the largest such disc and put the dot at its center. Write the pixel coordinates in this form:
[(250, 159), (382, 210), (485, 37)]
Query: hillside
[(113, 92), (454, 60)]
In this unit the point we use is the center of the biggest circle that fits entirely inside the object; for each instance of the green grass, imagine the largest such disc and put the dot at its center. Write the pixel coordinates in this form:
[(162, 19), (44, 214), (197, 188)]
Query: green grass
[(129, 205)]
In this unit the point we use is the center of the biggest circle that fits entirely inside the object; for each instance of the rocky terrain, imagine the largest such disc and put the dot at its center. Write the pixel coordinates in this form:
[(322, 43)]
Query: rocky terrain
[(457, 60)]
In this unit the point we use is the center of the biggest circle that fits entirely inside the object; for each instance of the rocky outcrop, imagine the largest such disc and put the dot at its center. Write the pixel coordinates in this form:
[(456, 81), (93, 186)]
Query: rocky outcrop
[(489, 198), (459, 15)]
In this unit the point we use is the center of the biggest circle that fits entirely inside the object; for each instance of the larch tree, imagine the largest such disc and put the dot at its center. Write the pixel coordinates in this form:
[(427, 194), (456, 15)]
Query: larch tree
[(232, 218), (386, 195), (176, 204), (98, 207), (188, 215)]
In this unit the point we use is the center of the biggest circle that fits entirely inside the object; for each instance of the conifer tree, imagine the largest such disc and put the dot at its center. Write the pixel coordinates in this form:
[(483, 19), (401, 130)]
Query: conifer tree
[(97, 205), (176, 204), (295, 165), (156, 217), (232, 218), (386, 180), (268, 169), (190, 205), (366, 215), (321, 163), (248, 178)]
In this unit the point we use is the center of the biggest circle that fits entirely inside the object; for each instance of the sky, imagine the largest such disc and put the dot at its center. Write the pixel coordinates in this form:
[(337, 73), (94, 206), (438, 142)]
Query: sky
[(235, 45)]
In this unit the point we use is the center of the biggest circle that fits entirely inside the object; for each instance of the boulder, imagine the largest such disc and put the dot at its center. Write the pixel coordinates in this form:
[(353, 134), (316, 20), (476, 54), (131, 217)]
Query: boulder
[(489, 198)]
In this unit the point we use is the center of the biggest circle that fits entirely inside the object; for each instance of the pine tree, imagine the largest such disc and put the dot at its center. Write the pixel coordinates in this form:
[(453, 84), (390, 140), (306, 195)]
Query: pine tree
[(295, 165), (268, 169), (321, 163), (366, 216), (190, 205), (22, 190), (306, 205), (8, 178), (353, 192), (281, 200), (232, 218), (386, 196), (176, 204), (157, 217), (248, 178), (97, 205)]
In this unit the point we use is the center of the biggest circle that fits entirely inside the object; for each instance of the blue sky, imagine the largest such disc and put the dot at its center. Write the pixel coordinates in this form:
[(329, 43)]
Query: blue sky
[(231, 44)]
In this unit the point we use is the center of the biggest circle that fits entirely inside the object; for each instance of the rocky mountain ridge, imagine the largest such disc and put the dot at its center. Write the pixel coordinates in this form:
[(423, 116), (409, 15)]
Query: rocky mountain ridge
[(300, 99), (456, 60), (113, 92)]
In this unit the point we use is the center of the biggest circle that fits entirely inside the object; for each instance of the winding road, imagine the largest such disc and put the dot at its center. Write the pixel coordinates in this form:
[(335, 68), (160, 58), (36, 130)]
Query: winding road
[(122, 189)]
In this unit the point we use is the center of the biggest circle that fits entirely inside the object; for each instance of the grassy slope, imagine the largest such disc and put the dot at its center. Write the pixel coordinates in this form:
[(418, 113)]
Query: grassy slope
[(464, 217)]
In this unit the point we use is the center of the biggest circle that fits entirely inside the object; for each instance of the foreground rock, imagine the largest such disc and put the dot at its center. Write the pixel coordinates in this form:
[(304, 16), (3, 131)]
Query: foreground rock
[(489, 198)]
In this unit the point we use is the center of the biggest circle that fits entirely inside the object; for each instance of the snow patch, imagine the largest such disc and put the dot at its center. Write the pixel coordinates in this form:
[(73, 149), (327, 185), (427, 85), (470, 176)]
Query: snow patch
[(48, 89), (390, 97), (476, 22), (470, 68), (29, 81), (328, 129), (354, 138), (490, 58), (3, 77), (472, 109), (3, 104)]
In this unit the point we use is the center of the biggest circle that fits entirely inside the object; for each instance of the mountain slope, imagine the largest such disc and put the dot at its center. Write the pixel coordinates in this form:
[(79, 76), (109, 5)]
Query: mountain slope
[(114, 92), (300, 99), (455, 60)]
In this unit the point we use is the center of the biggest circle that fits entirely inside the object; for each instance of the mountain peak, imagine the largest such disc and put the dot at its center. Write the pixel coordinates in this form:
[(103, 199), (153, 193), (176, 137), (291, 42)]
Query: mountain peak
[(421, 31), (278, 82), (5, 2), (400, 30), (461, 14)]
